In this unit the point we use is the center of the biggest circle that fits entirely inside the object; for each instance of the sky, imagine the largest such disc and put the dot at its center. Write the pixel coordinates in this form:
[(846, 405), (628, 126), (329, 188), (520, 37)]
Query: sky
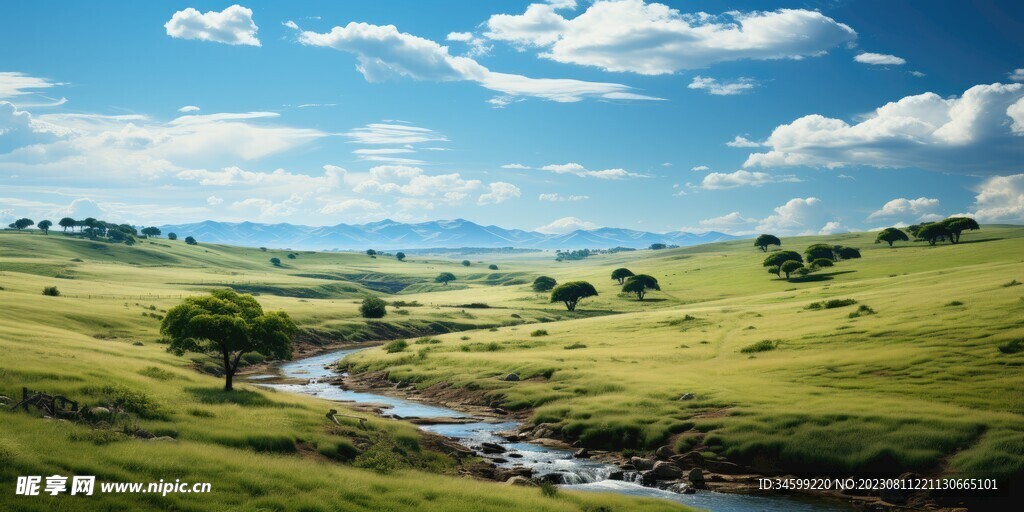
[(788, 117)]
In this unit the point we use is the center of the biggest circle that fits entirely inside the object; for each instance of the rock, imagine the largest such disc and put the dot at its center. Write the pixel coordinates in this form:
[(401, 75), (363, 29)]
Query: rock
[(664, 452), (582, 453), (689, 490), (499, 460), (512, 377), (554, 478), (402, 384), (143, 434), (521, 481), (696, 476), (641, 464), (648, 479), (687, 396), (616, 475), (100, 412), (688, 460), (666, 471), (515, 455), (492, 448)]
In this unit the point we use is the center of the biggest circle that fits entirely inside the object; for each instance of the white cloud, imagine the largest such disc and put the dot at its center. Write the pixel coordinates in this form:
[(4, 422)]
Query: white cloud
[(188, 108), (578, 170), (724, 181), (565, 225), (653, 39), (13, 83), (714, 87), (1000, 199), (742, 142), (558, 197), (1016, 75), (833, 228), (382, 53), (733, 223), (879, 59), (562, 4), (500, 192), (700, 168), (19, 129), (922, 209), (799, 216), (979, 132), (268, 209), (233, 26), (477, 45), (214, 201), (349, 205), (515, 166), (279, 179), (388, 133), (290, 24), (414, 182)]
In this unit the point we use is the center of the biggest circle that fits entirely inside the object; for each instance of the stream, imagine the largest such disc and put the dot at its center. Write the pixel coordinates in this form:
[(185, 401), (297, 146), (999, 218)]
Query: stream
[(579, 474)]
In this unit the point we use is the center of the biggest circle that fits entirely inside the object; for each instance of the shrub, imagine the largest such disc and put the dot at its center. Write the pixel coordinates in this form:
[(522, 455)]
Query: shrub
[(864, 309), (761, 346), (396, 346), (465, 263), (822, 262), (1012, 346), (492, 267), (1012, 283), (954, 303), (275, 262), (428, 341), (544, 284), (575, 346), (548, 489), (832, 303), (51, 291), (539, 332), (373, 307)]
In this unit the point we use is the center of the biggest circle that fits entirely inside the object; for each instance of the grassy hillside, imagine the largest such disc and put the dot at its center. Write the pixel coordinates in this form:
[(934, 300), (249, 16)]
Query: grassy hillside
[(916, 381), (261, 450)]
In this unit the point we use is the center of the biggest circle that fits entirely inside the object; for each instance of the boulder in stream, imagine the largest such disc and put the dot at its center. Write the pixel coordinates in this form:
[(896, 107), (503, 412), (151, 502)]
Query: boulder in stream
[(666, 471), (641, 464), (492, 448)]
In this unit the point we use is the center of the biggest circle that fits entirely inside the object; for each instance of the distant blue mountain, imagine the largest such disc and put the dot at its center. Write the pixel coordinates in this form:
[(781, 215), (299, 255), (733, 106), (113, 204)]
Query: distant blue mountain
[(391, 235)]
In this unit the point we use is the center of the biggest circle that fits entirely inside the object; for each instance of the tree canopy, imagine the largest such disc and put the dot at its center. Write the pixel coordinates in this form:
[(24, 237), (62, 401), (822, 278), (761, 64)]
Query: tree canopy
[(191, 241), (842, 252), (465, 263), (400, 256), (151, 231), (230, 325), (373, 307), (791, 266), (778, 258), (818, 251), (172, 236), (275, 262), (572, 293), (932, 232), (444, 278), (543, 284), (44, 225), (371, 252), (639, 284), (890, 235), (764, 241), (956, 225), (67, 222), (21, 224), (620, 274)]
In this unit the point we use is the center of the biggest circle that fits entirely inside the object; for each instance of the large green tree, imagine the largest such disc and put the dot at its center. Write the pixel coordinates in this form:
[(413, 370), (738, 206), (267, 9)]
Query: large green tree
[(932, 232), (151, 231), (229, 325), (21, 224), (818, 251), (67, 222), (444, 278), (44, 226), (956, 225), (620, 274), (890, 235), (764, 241), (776, 259), (640, 284), (572, 293), (791, 266), (400, 256)]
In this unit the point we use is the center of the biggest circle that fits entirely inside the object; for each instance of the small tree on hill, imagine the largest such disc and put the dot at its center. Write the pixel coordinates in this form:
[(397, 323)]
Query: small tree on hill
[(819, 251), (774, 269), (543, 284), (845, 253), (400, 256), (444, 278), (373, 307), (890, 235), (21, 224), (172, 236), (371, 252), (151, 231), (67, 222), (620, 274), (465, 263), (492, 267), (956, 225), (572, 293), (932, 232), (657, 247), (229, 325), (191, 241), (791, 266), (764, 241), (639, 284), (821, 263), (778, 258), (275, 261), (44, 226)]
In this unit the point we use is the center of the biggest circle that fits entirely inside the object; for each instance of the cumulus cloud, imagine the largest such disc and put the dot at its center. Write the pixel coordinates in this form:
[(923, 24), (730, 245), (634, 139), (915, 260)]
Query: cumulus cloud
[(922, 209), (565, 225), (879, 59), (214, 201), (278, 179), (18, 129), (799, 216), (268, 209), (414, 182), (733, 223), (1000, 199), (653, 39), (499, 193), (742, 142), (981, 131), (581, 171), (382, 53), (714, 87), (477, 45), (741, 178), (350, 205), (1016, 75), (233, 26), (559, 197), (833, 227)]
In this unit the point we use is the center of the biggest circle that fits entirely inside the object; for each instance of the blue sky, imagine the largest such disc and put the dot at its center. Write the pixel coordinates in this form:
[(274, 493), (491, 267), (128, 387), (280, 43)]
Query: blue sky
[(789, 117)]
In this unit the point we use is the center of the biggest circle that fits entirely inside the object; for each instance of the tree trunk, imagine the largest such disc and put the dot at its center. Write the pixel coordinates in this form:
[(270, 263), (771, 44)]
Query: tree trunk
[(890, 244), (229, 372)]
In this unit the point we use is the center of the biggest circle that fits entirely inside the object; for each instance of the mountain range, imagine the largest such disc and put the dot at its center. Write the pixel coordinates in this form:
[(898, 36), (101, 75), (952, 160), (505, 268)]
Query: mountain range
[(389, 234)]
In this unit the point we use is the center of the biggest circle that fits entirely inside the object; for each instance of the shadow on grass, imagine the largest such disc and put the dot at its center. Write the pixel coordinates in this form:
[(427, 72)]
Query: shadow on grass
[(243, 397), (813, 278), (652, 300)]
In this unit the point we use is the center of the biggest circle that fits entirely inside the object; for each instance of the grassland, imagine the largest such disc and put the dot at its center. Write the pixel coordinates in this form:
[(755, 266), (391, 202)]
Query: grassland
[(261, 450), (914, 382)]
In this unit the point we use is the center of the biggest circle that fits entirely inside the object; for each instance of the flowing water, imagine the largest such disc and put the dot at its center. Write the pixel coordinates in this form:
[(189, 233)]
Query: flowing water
[(580, 474)]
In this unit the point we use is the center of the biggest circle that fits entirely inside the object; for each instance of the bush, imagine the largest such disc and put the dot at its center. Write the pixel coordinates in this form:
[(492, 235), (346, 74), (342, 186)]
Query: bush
[(539, 332), (428, 341), (51, 291), (275, 262), (548, 489), (761, 346), (822, 262), (396, 346), (1012, 346), (465, 263), (544, 284), (492, 267), (832, 303), (575, 346), (373, 307), (954, 303)]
